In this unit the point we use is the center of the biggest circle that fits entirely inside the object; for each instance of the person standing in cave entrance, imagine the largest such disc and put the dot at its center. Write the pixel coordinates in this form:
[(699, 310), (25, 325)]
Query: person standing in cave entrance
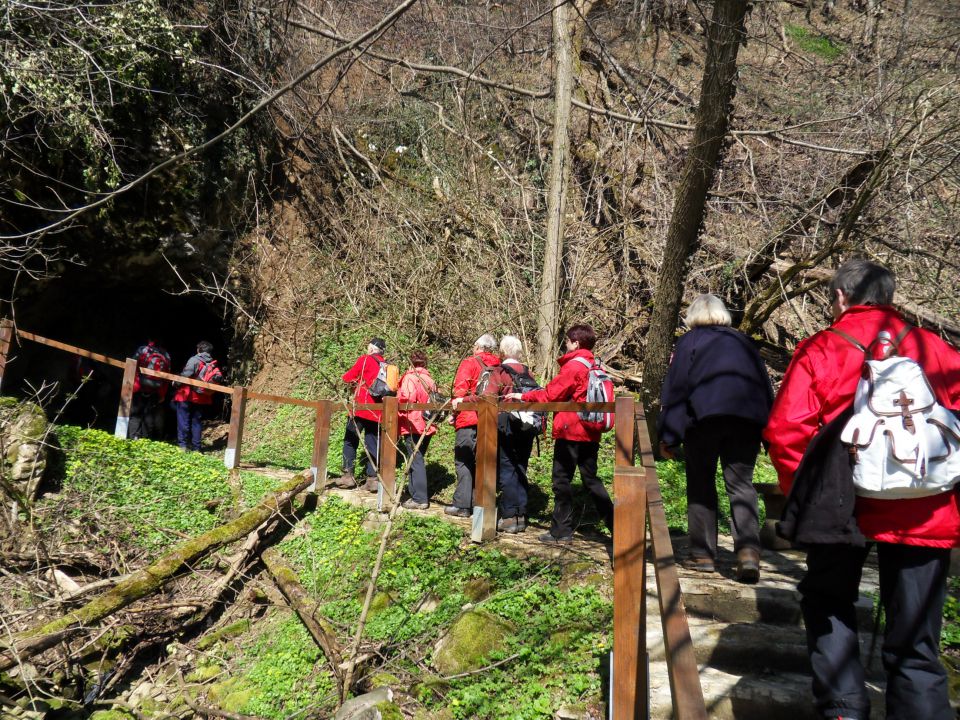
[(147, 411), (191, 403), (361, 376)]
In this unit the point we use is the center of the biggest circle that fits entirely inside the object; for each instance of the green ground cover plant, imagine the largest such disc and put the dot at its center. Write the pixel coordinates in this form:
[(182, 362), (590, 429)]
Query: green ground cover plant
[(154, 490), (429, 575), (810, 42)]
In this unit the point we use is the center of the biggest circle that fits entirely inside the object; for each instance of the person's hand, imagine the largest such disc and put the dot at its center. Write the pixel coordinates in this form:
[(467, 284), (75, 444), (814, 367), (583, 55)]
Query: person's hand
[(513, 396), (666, 452), (456, 402)]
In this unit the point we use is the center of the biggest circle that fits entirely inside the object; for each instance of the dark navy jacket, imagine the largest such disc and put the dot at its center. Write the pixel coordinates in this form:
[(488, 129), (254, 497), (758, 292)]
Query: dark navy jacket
[(715, 370)]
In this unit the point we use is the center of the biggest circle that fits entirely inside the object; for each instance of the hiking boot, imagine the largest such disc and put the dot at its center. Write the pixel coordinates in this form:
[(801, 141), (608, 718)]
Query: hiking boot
[(412, 504), (512, 524), (700, 563), (548, 537), (345, 481), (748, 565), (372, 484), (457, 511)]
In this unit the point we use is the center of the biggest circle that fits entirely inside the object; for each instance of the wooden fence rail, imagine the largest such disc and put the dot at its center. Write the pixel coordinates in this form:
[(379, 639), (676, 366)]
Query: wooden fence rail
[(637, 506)]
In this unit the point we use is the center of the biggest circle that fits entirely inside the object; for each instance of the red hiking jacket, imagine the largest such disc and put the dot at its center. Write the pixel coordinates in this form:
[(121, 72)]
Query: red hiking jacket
[(416, 384), (821, 381), (465, 383), (362, 375), (570, 384)]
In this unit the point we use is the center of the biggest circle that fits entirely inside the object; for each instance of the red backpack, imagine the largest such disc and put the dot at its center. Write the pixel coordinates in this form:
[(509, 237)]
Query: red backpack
[(599, 390), (152, 357), (207, 372)]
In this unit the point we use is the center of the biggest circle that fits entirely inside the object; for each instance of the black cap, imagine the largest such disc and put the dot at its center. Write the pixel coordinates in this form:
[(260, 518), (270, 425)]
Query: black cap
[(380, 343)]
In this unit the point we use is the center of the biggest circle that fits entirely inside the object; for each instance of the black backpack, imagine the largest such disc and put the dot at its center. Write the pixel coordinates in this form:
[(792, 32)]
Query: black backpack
[(526, 420)]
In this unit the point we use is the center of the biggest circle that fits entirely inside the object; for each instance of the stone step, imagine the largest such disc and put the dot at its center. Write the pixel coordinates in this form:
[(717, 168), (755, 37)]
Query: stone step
[(749, 647), (713, 598), (754, 696)]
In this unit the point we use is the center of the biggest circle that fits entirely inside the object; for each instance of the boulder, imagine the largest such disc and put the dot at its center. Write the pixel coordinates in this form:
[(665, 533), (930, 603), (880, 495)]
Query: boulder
[(365, 707), (471, 638), (23, 445)]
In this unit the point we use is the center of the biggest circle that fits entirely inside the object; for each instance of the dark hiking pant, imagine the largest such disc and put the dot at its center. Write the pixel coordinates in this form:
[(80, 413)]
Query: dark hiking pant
[(465, 462), (416, 448), (147, 417), (735, 443), (513, 451), (351, 443), (912, 592), (189, 424), (568, 455)]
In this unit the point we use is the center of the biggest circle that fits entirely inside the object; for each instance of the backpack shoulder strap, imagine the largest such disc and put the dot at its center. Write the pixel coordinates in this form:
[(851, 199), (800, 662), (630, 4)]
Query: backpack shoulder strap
[(850, 339), (511, 371), (583, 361)]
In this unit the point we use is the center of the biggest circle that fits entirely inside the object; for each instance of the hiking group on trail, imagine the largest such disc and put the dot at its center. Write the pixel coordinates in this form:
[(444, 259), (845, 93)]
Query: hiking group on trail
[(487, 373), (863, 434)]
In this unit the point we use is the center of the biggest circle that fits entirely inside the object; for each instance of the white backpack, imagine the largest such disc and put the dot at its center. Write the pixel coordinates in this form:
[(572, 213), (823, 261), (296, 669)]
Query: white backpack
[(903, 442)]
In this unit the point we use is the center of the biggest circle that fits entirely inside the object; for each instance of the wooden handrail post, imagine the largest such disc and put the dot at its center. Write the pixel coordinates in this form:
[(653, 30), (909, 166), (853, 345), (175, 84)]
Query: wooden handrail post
[(485, 475), (630, 694), (126, 398), (387, 454), (321, 443), (238, 410), (6, 335), (685, 689)]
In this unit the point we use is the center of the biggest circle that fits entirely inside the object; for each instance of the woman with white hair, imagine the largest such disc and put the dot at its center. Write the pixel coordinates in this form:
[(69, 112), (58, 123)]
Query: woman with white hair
[(516, 433), (715, 402)]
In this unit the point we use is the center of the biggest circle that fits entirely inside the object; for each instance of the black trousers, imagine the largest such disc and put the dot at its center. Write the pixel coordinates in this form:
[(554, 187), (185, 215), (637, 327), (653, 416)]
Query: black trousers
[(147, 417), (416, 447), (351, 443), (464, 463), (513, 449), (568, 455), (735, 442), (912, 591)]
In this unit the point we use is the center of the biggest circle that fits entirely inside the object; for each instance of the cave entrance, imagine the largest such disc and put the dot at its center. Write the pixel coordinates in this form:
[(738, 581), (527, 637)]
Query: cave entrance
[(112, 316)]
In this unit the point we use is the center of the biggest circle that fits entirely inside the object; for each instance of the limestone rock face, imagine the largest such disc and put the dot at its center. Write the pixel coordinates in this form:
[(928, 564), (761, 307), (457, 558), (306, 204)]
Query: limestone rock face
[(471, 638), (23, 450)]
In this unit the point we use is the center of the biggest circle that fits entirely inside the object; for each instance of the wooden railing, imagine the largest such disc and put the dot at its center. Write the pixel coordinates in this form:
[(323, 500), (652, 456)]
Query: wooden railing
[(637, 506)]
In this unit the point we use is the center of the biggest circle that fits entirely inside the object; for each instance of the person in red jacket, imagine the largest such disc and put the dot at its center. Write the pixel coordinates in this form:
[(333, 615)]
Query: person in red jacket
[(190, 403), (576, 444), (469, 372), (361, 376), (913, 536), (415, 386)]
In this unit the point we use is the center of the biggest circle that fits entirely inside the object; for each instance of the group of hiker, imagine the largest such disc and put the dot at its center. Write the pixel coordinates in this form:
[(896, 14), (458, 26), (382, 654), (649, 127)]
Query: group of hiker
[(865, 439), (861, 433), (490, 370), (148, 407)]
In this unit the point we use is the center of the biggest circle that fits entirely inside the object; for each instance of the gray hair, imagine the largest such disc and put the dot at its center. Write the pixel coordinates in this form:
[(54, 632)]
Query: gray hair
[(707, 309), (486, 342), (863, 283), (511, 347), (374, 349)]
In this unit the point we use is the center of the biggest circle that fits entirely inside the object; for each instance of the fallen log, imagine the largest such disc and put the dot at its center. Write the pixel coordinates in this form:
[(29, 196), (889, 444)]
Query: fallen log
[(147, 581), (306, 608)]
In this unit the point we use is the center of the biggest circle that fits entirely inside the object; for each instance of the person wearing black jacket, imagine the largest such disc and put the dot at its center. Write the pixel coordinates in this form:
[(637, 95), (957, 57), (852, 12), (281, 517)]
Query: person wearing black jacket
[(715, 402)]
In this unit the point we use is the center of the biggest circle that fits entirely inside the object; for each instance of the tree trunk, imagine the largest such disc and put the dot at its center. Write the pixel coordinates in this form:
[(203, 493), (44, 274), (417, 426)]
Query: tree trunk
[(548, 313), (306, 608), (724, 35)]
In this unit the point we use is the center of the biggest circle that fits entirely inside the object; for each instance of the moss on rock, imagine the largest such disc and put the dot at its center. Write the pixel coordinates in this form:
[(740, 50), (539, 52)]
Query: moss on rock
[(471, 638)]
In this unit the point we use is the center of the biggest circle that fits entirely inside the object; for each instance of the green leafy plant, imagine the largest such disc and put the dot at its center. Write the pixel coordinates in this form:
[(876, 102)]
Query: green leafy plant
[(816, 44), (154, 490)]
